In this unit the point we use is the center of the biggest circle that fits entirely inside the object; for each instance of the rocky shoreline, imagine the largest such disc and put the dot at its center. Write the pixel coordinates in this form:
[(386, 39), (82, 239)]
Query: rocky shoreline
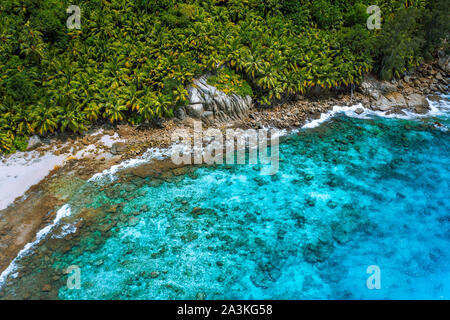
[(391, 97), (92, 153)]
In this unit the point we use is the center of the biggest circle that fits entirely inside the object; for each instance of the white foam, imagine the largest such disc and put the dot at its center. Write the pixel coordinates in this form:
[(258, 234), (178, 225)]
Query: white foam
[(65, 230), (63, 212), (152, 153), (437, 108)]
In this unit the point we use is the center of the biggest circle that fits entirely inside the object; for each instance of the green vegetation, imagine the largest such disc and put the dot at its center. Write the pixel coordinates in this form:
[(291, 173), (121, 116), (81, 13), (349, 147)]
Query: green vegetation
[(228, 81), (132, 59)]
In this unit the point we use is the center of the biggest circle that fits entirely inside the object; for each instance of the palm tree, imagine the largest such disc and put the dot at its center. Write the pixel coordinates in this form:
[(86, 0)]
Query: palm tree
[(114, 112)]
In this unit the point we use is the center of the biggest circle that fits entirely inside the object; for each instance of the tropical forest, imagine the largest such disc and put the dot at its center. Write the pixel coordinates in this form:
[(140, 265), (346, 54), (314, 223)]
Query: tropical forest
[(131, 60)]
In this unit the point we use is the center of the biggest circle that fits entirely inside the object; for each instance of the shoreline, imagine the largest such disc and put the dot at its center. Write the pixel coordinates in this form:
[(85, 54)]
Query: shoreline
[(36, 208), (60, 238)]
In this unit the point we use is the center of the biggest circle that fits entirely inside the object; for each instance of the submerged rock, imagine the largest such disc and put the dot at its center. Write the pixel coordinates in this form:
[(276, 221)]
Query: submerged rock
[(98, 262), (310, 201), (200, 296), (46, 288), (189, 237), (317, 252), (133, 221), (331, 204), (359, 110), (196, 212)]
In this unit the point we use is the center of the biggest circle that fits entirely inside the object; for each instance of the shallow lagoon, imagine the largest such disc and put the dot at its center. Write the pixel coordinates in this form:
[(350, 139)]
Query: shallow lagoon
[(349, 194)]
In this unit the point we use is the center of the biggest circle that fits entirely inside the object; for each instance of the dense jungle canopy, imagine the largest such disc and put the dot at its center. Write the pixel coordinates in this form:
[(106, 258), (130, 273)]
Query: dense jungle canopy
[(132, 59)]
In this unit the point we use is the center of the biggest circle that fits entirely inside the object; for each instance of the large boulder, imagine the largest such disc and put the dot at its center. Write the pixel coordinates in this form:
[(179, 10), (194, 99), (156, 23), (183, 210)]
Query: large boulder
[(195, 96), (418, 103), (392, 100), (34, 142), (382, 104), (195, 110), (386, 87), (212, 105), (369, 88), (396, 99), (208, 116), (374, 88)]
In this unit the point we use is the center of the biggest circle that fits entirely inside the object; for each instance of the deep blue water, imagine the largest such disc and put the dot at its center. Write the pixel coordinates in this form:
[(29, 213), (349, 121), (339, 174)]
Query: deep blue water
[(349, 194)]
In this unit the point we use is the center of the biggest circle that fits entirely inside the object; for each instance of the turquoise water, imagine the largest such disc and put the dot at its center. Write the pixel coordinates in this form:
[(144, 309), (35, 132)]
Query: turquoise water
[(349, 194)]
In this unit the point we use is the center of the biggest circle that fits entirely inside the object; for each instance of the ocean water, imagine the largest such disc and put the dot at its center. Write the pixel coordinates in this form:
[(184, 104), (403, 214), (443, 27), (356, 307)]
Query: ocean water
[(350, 194)]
